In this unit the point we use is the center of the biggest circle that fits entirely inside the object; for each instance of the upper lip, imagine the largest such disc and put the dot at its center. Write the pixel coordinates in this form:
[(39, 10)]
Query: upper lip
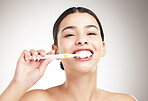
[(83, 49)]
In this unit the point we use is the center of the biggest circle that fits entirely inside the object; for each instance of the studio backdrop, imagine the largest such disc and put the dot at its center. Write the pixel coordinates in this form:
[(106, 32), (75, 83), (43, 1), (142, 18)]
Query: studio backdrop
[(27, 24)]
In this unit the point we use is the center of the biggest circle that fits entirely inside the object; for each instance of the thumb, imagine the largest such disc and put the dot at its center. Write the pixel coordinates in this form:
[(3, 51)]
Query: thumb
[(46, 61)]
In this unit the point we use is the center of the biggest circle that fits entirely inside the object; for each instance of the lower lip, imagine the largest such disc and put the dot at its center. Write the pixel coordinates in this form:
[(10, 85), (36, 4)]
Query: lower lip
[(83, 59)]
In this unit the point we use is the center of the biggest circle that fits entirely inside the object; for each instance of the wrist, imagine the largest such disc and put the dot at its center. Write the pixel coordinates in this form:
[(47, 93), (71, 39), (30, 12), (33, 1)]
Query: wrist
[(19, 85), (14, 92)]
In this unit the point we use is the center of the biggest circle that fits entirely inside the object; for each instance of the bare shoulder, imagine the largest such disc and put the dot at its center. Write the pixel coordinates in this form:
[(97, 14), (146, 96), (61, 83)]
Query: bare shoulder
[(42, 95), (111, 96), (123, 97), (36, 95)]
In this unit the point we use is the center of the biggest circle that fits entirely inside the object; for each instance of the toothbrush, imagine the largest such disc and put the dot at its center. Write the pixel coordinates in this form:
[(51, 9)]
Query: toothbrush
[(82, 55)]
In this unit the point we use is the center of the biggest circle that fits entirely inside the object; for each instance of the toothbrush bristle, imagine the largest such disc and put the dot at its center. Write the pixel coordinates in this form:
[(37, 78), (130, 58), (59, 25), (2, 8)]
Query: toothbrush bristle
[(85, 54)]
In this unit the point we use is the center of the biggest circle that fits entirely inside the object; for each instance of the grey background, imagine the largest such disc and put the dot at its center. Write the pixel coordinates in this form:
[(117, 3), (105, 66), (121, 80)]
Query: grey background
[(27, 24)]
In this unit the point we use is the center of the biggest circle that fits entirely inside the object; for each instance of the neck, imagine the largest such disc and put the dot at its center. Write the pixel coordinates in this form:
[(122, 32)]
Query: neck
[(81, 87)]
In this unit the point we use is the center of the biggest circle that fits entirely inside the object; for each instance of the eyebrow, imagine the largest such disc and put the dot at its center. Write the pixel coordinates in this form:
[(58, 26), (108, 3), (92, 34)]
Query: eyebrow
[(69, 27), (74, 27), (89, 26)]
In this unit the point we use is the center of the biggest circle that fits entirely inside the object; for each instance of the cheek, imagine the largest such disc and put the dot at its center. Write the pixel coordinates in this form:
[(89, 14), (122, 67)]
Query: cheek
[(96, 42), (65, 45), (97, 45)]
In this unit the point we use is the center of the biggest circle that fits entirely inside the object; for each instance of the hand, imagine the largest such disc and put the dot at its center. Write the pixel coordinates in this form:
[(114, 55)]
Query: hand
[(29, 71)]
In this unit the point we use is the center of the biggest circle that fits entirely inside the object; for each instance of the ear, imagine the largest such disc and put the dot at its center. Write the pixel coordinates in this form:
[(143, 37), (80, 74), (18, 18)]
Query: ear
[(103, 49), (55, 48)]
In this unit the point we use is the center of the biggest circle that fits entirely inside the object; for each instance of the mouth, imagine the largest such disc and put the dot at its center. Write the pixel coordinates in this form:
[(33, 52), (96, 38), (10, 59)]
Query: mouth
[(87, 54)]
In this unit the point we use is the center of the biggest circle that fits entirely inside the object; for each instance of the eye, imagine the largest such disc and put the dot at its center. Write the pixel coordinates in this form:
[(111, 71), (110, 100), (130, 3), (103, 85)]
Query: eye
[(91, 34), (69, 35)]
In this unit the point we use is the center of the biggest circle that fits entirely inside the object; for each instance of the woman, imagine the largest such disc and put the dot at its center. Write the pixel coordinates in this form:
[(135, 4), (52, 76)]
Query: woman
[(76, 30)]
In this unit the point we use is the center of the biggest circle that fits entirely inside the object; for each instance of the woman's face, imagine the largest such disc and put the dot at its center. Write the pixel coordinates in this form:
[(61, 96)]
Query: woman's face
[(80, 32)]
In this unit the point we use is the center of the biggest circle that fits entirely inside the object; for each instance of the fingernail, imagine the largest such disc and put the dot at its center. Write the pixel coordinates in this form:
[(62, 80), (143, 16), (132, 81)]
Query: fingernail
[(26, 58), (44, 54), (34, 58), (38, 59)]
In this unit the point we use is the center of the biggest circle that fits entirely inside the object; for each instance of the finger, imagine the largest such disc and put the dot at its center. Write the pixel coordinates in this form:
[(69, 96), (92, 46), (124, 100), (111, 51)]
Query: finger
[(51, 52), (41, 52), (26, 55), (46, 61), (22, 57), (34, 54)]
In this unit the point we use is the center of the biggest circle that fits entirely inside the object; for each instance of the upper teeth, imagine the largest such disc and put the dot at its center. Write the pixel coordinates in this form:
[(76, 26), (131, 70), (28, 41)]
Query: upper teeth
[(83, 54)]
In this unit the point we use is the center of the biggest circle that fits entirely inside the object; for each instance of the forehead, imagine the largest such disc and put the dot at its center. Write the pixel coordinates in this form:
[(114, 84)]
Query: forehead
[(79, 20)]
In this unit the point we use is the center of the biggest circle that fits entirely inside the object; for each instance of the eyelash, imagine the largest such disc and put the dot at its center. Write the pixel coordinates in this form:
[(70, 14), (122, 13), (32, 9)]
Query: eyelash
[(69, 35), (91, 34), (74, 35)]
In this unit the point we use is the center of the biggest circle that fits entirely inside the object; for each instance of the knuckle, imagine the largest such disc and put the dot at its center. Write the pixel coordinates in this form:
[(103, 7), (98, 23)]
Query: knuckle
[(35, 53), (25, 51), (32, 50), (28, 53), (42, 50)]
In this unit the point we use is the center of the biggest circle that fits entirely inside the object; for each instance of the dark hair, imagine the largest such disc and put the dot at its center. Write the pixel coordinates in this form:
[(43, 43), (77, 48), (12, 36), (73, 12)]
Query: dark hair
[(70, 11)]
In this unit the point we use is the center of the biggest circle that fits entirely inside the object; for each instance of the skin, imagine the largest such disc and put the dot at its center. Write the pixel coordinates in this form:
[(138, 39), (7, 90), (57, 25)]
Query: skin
[(81, 76)]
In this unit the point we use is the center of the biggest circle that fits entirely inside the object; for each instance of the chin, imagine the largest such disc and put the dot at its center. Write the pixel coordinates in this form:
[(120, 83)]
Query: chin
[(80, 66), (85, 68)]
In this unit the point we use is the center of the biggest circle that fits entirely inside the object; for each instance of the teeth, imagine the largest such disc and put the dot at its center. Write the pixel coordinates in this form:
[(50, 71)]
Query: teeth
[(83, 54)]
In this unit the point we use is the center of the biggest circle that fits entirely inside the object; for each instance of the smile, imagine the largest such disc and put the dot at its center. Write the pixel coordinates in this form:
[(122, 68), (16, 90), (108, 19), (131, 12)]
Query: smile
[(89, 53)]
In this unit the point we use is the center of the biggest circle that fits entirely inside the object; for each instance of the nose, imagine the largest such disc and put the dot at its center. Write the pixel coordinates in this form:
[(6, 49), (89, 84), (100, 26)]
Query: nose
[(81, 42)]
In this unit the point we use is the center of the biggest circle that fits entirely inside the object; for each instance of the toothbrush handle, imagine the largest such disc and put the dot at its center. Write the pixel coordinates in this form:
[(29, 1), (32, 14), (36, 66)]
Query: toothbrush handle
[(51, 56), (46, 56), (55, 56)]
